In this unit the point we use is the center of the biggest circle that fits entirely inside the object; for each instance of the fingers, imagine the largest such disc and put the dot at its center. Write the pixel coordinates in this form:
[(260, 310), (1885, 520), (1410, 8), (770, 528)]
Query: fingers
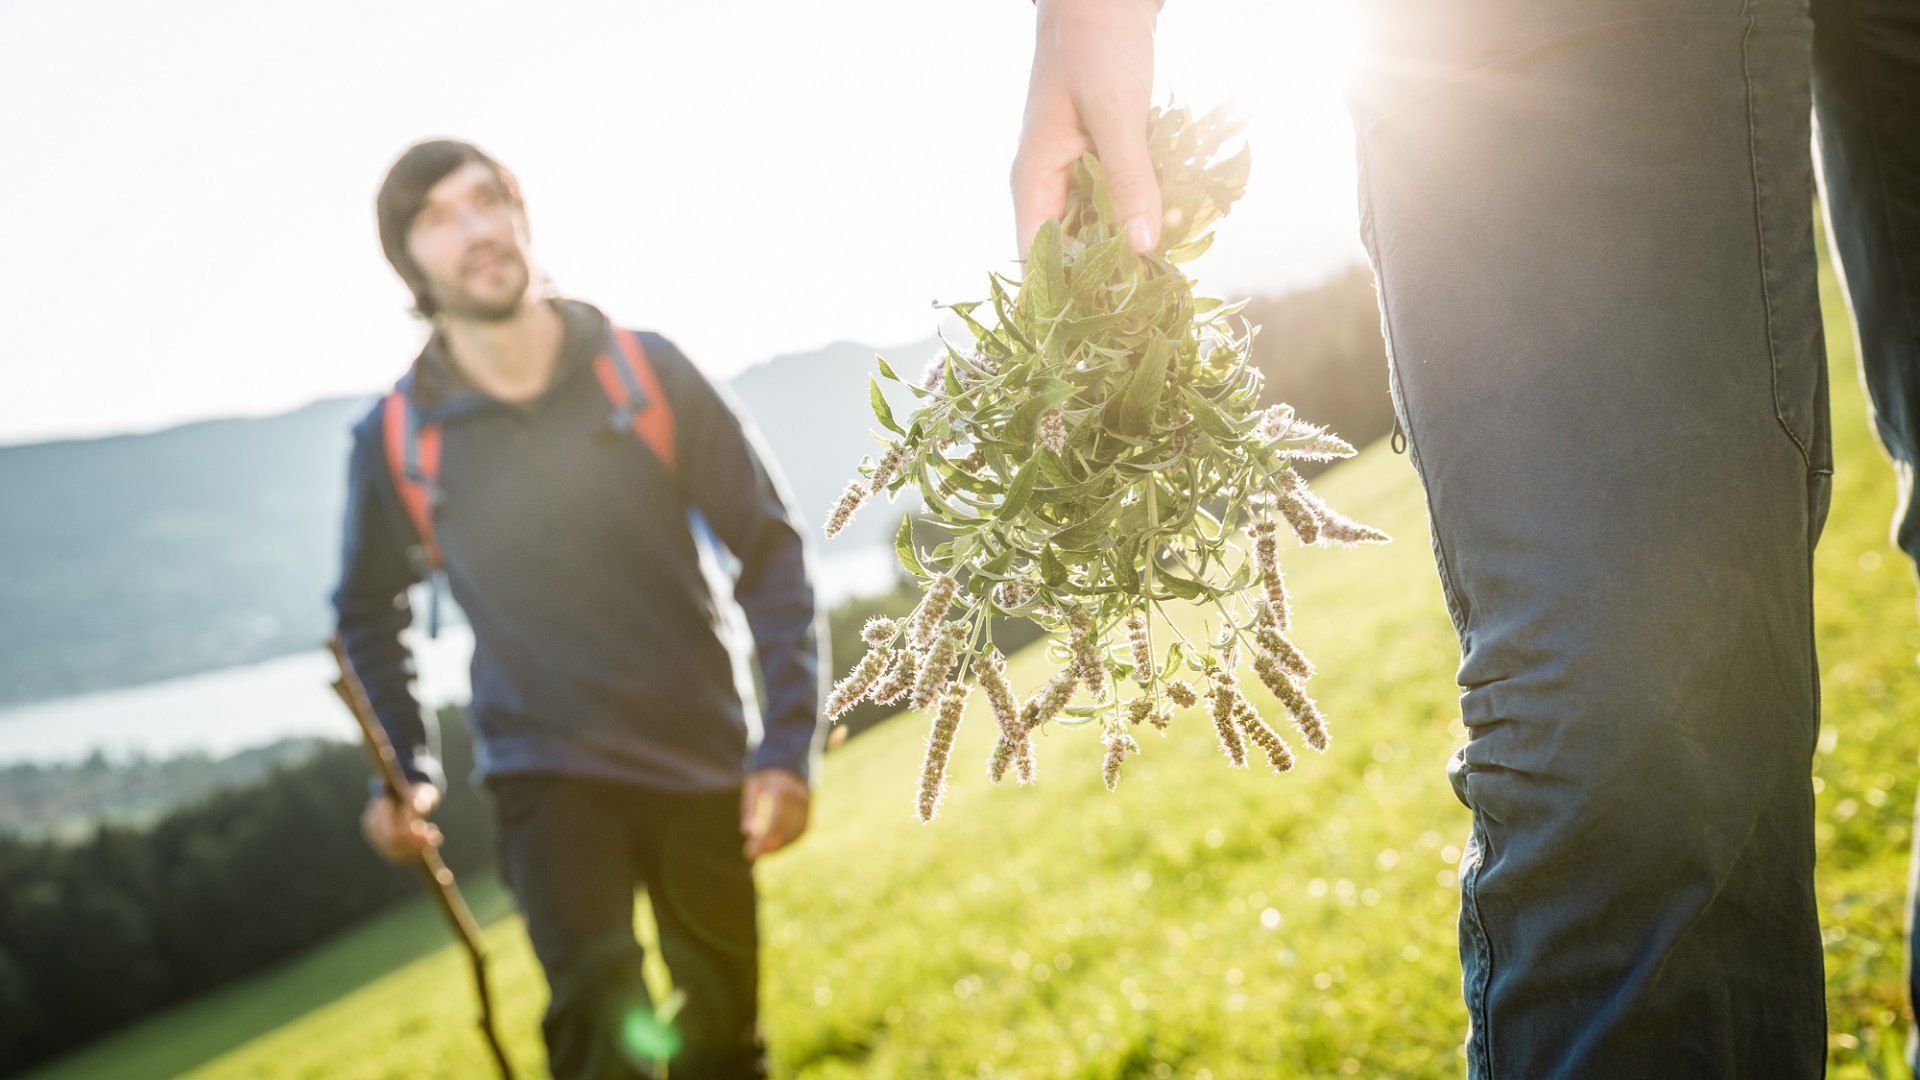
[(779, 815), (1042, 172), (396, 832), (757, 813), (1120, 140), (1092, 75)]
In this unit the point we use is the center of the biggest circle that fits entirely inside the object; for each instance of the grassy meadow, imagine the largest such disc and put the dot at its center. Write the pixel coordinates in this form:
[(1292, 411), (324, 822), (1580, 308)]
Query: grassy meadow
[(1201, 922)]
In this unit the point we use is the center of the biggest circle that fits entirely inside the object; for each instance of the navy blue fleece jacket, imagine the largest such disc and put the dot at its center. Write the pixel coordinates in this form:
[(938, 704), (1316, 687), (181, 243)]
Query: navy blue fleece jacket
[(599, 649)]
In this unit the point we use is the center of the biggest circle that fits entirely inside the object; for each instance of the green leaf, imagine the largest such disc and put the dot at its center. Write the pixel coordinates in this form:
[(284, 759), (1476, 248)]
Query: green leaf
[(1044, 291), (1191, 250), (1020, 490), (1026, 416), (1142, 395), (1184, 588), (903, 547), (1052, 571), (886, 369), (1085, 535), (881, 411), (1175, 653), (1090, 273)]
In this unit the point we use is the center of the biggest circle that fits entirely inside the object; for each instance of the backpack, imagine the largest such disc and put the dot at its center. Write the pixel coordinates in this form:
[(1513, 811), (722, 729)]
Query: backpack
[(413, 447)]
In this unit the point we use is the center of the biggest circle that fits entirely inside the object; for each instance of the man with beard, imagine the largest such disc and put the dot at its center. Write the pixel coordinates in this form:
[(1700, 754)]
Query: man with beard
[(555, 467)]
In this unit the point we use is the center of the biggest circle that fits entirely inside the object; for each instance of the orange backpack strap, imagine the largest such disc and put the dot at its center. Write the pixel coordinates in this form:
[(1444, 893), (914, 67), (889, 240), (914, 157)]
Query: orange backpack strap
[(639, 404), (413, 461)]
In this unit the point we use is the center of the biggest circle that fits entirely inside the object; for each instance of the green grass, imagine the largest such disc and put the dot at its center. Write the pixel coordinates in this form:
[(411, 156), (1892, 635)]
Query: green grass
[(193, 1034), (1200, 922)]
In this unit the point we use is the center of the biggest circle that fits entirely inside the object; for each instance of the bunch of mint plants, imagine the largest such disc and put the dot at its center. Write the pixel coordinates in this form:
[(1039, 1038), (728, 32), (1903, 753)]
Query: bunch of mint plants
[(1096, 451)]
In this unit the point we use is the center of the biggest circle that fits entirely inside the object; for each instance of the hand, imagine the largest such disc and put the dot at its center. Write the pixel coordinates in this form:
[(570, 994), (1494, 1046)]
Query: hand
[(1092, 75), (773, 810), (398, 829)]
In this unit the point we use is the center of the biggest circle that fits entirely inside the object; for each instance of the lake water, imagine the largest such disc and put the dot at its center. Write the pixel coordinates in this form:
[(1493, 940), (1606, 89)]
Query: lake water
[(219, 712)]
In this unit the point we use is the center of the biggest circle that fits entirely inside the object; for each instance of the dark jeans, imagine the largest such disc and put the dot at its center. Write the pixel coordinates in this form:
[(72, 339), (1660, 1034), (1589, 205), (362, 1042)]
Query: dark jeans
[(574, 850), (1591, 225)]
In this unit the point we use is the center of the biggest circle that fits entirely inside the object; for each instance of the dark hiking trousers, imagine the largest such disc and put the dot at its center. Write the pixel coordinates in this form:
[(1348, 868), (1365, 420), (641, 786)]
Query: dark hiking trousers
[(573, 850), (1591, 226)]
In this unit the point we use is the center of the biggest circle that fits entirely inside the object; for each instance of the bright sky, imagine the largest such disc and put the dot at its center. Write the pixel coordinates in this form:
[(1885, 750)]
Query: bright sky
[(188, 186)]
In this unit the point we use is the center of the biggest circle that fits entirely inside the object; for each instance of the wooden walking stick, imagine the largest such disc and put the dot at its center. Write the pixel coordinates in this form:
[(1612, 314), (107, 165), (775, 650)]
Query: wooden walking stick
[(439, 879)]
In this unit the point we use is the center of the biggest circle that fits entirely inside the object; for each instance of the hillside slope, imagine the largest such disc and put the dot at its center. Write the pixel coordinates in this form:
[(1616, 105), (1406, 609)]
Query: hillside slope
[(1204, 922)]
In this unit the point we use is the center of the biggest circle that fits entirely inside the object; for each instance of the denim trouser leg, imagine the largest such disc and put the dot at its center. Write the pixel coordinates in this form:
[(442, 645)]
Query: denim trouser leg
[(573, 849), (1866, 82), (1591, 226)]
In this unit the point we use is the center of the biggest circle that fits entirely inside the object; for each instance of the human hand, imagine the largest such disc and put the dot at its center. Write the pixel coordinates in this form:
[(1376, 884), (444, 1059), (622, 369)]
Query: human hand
[(773, 810), (397, 828), (1092, 76)]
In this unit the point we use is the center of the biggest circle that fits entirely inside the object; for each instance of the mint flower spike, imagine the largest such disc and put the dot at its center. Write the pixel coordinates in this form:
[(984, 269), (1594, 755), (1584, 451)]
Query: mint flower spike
[(933, 771), (1142, 648), (1275, 644), (1089, 652), (1049, 700), (1023, 766), (849, 691), (1119, 745), (1182, 694), (1266, 548), (940, 658), (1330, 526), (1305, 713), (933, 608), (887, 467), (1279, 754), (898, 680), (990, 672), (1001, 758), (1222, 696), (878, 631), (1053, 429), (843, 508)]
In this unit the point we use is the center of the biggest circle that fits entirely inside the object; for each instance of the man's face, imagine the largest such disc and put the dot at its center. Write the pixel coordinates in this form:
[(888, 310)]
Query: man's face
[(470, 243)]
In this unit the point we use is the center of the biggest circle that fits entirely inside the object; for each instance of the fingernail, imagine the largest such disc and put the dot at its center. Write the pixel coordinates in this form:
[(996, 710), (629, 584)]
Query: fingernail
[(1139, 236)]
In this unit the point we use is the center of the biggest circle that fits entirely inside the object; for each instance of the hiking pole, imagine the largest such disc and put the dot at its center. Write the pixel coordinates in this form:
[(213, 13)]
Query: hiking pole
[(439, 879)]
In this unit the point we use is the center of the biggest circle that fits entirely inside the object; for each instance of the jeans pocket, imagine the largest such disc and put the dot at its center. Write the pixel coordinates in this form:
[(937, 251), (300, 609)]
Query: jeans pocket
[(1396, 390), (1777, 54)]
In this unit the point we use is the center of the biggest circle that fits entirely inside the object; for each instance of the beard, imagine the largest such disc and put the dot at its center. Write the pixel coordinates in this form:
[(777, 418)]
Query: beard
[(454, 300)]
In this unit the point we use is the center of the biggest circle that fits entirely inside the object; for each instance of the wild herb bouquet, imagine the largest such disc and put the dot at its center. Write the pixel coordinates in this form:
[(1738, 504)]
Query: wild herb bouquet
[(1096, 451)]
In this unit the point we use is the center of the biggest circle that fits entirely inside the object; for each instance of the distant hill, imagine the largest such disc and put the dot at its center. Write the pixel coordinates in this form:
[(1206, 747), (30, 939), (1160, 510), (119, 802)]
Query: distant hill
[(812, 409), (134, 558), (140, 557)]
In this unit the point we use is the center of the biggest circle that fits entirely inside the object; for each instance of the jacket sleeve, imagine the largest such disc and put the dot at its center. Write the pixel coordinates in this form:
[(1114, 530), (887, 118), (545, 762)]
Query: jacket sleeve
[(730, 478), (371, 608)]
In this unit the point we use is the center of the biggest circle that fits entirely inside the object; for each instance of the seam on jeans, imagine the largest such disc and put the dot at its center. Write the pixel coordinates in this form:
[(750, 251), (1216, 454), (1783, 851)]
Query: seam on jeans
[(1456, 611), (1470, 908), (1760, 232), (1880, 181)]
